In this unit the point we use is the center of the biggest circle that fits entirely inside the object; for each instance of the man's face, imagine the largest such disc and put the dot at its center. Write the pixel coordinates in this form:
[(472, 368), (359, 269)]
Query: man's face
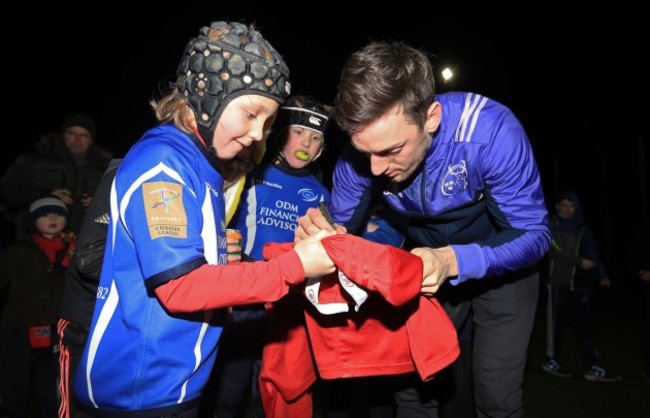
[(77, 139), (395, 145)]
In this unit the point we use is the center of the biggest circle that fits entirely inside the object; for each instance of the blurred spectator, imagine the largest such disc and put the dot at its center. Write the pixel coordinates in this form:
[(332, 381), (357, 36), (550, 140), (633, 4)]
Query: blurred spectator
[(31, 275), (573, 272), (69, 166)]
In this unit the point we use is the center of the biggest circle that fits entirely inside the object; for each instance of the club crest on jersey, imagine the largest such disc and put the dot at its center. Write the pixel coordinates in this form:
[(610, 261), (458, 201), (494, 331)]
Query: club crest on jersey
[(455, 180), (308, 195), (166, 216)]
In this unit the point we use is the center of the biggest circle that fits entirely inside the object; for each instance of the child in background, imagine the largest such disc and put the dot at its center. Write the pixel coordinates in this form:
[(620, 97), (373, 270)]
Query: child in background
[(276, 194), (32, 275), (573, 271)]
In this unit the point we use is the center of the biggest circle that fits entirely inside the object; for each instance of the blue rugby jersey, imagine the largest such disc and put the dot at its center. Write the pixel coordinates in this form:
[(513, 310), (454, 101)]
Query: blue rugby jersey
[(479, 190), (166, 198), (272, 203)]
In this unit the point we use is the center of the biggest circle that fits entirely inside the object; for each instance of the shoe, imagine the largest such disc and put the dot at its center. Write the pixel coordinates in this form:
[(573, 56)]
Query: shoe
[(553, 367), (598, 374)]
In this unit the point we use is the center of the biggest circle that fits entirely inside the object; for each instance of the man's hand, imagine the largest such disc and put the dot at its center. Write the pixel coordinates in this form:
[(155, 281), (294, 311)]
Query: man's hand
[(587, 264), (64, 194), (312, 222), (85, 200), (438, 265)]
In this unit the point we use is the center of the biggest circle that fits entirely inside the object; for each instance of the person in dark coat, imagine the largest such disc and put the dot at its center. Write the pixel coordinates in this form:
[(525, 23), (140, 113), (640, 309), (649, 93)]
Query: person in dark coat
[(68, 166), (573, 271)]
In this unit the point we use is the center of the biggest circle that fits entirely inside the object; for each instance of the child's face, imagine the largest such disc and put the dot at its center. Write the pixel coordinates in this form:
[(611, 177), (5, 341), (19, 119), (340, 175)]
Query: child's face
[(302, 146), (242, 123), (50, 224), (565, 208)]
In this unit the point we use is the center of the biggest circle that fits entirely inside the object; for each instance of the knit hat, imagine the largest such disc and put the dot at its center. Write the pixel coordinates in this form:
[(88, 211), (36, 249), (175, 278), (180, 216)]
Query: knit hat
[(46, 205), (224, 61), (79, 119)]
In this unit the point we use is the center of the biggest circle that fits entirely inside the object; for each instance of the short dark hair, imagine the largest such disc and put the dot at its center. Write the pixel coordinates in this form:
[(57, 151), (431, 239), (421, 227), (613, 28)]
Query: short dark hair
[(380, 76)]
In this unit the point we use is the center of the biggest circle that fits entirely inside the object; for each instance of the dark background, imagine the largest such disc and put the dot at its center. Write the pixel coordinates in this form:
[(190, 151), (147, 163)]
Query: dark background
[(578, 80)]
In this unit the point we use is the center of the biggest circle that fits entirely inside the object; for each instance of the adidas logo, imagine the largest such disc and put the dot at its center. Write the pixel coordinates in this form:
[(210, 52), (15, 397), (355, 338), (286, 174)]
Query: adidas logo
[(103, 219)]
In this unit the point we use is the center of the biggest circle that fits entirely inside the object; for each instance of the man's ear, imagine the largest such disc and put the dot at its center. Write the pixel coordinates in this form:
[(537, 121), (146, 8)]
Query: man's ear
[(434, 116)]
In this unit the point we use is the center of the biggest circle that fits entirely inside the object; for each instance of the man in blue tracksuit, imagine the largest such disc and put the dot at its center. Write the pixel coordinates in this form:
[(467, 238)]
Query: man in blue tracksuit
[(458, 172)]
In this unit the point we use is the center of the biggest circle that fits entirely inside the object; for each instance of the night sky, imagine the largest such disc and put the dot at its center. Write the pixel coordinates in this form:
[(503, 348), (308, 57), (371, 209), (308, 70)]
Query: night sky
[(577, 81)]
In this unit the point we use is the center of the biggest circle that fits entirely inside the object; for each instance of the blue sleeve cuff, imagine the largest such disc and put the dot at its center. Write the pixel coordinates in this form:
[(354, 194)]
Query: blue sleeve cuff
[(472, 263)]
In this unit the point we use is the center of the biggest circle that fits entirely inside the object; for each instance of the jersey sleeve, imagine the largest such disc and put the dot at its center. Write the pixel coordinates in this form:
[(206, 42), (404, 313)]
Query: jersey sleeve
[(351, 191), (218, 286), (162, 210), (515, 199)]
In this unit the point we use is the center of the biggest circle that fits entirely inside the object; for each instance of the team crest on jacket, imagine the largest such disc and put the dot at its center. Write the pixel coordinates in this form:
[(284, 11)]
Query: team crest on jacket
[(455, 179), (165, 211)]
